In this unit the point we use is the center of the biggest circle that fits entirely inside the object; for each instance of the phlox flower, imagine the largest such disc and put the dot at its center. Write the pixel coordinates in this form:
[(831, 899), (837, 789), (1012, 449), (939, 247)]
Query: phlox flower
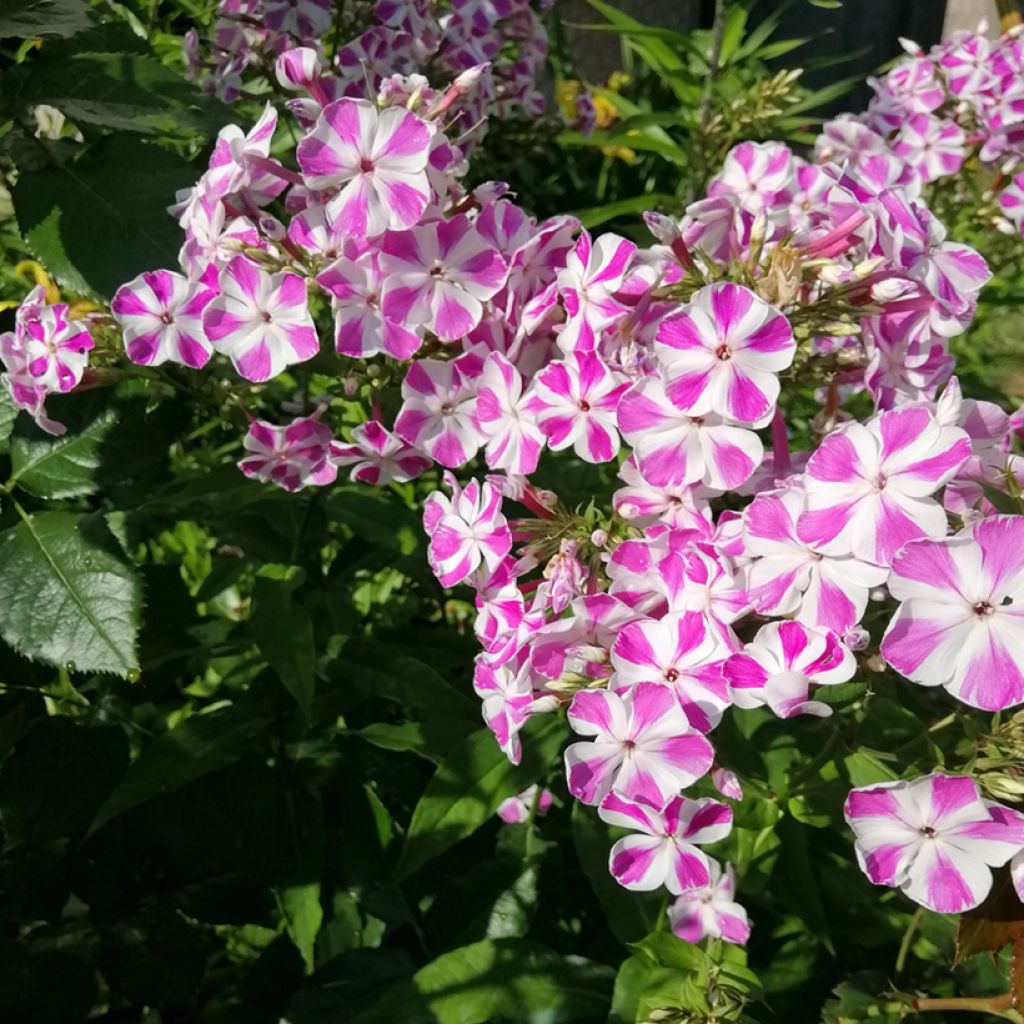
[(514, 441), (291, 457), (680, 652), (48, 351), (672, 448), (683, 506), (508, 701), (517, 809), (960, 623), (869, 486), (241, 168), (721, 354), (711, 912), (759, 174), (788, 577), (303, 19), (260, 321), (377, 457), (439, 275), (161, 315), (362, 329), (499, 602), (592, 273), (781, 664), (933, 146), (465, 531), (934, 837), (574, 402), (644, 747), (438, 413), (663, 848), (379, 157)]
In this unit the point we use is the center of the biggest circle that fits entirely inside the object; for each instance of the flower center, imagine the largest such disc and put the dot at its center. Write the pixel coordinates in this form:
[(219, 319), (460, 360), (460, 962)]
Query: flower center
[(927, 831), (166, 318), (723, 352), (584, 405), (265, 317), (983, 608), (366, 165), (447, 409), (671, 675)]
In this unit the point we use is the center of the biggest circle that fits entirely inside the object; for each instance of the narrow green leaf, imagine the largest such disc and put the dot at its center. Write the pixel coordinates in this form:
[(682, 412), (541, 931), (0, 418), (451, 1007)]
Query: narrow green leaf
[(68, 596), (469, 785), (303, 915), (598, 215), (283, 631)]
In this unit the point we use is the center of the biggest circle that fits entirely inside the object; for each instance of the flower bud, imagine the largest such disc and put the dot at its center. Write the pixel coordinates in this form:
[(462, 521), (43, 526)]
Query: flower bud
[(857, 638), (297, 69), (350, 387), (599, 538)]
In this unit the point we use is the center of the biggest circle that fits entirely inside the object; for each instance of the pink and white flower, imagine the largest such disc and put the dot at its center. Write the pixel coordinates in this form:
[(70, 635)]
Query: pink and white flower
[(779, 667), (438, 413), (869, 486), (439, 275), (517, 809), (574, 400), (292, 457), (935, 838), (643, 748), (514, 441), (711, 912), (48, 351), (592, 273), (508, 701), (161, 315), (721, 354), (960, 623), (683, 654), (672, 448), (663, 849), (760, 174), (260, 321), (377, 457), (933, 146), (788, 577), (379, 157)]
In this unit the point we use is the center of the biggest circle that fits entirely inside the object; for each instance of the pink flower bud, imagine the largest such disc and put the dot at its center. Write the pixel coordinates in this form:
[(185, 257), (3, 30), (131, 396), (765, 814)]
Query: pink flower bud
[(297, 69)]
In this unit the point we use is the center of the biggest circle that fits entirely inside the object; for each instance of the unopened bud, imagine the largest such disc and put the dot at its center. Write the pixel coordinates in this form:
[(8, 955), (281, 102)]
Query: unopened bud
[(350, 387), (298, 68), (599, 538), (856, 638), (373, 371), (270, 227), (867, 267), (758, 231)]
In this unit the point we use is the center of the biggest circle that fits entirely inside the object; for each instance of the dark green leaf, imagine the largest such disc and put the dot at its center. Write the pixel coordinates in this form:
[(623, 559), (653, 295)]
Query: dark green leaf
[(68, 597), (283, 631), (300, 907), (469, 785), (98, 221), (37, 19), (499, 979)]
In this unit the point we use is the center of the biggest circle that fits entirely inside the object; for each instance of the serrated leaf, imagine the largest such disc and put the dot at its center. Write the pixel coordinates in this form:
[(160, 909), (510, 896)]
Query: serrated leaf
[(283, 631), (43, 19), (469, 785), (199, 745), (98, 221), (68, 597), (498, 979)]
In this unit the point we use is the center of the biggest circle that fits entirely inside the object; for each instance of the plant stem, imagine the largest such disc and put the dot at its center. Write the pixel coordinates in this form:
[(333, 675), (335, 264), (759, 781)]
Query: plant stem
[(908, 936), (1001, 1006)]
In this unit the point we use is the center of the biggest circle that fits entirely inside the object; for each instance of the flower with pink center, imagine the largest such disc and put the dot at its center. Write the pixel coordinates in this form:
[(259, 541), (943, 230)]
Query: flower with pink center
[(643, 746), (779, 667), (672, 448), (469, 531), (514, 441), (722, 352), (869, 486), (292, 457), (161, 315), (439, 275), (438, 413), (663, 850), (241, 167), (933, 146), (517, 810), (788, 577), (711, 912), (684, 506), (499, 603), (680, 652), (508, 701), (260, 321), (960, 623), (907, 360), (377, 457), (574, 402), (760, 174), (592, 273), (380, 159), (935, 838), (361, 327), (47, 353)]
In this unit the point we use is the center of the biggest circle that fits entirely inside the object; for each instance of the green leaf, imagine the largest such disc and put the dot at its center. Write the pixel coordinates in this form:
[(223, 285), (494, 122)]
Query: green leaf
[(303, 915), (652, 978), (469, 785), (432, 740), (8, 415), (283, 631), (199, 745), (498, 979), (43, 19), (68, 597), (98, 221), (732, 34), (598, 215), (129, 92)]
